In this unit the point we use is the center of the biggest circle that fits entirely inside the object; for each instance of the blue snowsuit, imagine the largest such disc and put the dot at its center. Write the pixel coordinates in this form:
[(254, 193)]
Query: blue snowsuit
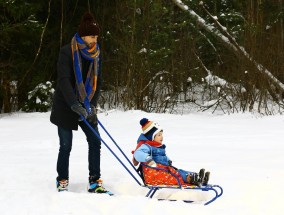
[(146, 152)]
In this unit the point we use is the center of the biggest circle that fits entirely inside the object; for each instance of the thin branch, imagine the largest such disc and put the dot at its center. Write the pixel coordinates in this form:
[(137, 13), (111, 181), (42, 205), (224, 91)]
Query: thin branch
[(39, 48), (209, 42), (202, 64), (152, 79)]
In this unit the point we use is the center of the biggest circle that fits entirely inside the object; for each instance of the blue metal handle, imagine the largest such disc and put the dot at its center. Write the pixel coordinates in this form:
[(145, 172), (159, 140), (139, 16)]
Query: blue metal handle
[(117, 145), (98, 136)]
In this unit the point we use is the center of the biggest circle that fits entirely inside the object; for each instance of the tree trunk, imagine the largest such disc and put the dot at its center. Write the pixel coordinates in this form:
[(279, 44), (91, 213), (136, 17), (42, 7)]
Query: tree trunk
[(6, 94)]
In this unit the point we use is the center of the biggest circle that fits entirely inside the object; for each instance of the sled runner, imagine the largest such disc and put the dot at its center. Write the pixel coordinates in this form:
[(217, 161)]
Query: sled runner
[(216, 189)]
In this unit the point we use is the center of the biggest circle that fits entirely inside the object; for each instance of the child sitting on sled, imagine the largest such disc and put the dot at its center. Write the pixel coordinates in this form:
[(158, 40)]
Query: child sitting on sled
[(156, 166)]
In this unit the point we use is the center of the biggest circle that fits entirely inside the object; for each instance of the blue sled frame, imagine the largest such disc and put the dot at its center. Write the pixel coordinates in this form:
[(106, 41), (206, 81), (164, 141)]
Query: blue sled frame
[(153, 189), (208, 187)]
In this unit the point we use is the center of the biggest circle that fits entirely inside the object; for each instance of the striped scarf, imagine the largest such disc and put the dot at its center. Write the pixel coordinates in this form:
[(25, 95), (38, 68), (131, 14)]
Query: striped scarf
[(85, 92)]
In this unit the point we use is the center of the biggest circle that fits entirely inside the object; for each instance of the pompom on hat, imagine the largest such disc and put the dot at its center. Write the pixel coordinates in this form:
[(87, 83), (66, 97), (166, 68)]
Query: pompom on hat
[(88, 26), (150, 128)]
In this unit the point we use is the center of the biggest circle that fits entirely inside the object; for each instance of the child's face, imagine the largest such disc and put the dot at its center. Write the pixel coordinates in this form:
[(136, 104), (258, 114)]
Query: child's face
[(159, 137)]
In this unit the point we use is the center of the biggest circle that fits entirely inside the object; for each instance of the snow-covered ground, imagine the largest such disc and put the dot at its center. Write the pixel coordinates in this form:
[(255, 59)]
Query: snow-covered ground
[(244, 153)]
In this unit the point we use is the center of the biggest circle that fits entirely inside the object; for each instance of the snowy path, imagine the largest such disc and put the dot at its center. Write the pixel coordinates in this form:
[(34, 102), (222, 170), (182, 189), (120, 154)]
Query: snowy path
[(244, 154)]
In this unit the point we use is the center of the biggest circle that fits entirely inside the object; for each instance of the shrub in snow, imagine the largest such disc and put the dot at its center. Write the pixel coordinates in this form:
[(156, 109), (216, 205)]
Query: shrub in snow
[(40, 98)]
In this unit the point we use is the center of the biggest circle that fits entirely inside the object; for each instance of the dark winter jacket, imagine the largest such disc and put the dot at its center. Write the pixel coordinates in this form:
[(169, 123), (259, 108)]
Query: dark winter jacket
[(65, 96)]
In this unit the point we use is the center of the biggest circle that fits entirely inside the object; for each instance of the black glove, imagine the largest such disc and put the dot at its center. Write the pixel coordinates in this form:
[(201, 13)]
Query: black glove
[(92, 117), (78, 108), (170, 163)]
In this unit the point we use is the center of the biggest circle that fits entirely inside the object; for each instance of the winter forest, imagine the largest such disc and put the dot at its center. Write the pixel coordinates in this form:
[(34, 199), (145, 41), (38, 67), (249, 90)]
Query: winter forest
[(164, 56)]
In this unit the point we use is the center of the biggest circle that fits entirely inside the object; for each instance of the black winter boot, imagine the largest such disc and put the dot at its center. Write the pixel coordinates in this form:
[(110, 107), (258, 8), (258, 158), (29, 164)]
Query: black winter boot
[(194, 180), (206, 178), (201, 175)]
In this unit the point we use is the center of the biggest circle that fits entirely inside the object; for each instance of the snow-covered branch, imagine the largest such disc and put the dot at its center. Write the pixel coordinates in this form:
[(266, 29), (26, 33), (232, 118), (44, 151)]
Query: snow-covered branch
[(152, 79), (202, 23), (227, 39)]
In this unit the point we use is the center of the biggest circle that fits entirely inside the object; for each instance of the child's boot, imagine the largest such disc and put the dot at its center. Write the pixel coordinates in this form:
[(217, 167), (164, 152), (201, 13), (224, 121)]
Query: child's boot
[(193, 179), (206, 178), (201, 175)]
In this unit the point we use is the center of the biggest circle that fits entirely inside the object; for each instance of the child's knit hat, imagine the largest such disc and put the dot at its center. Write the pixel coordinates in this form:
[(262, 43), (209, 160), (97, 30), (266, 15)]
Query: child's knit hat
[(88, 26), (150, 128)]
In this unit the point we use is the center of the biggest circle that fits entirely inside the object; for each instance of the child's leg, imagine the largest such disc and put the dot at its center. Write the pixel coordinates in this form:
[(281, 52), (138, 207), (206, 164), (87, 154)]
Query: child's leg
[(185, 175)]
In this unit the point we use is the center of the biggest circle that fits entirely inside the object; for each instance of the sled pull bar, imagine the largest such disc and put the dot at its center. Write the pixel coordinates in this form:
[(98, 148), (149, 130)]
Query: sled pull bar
[(117, 145), (98, 136)]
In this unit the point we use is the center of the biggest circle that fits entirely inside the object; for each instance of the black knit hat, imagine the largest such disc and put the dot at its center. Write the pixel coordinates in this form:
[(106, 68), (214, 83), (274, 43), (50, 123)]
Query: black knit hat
[(88, 26)]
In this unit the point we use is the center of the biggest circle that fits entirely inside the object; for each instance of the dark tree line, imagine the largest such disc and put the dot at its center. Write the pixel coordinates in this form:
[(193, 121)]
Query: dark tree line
[(154, 54)]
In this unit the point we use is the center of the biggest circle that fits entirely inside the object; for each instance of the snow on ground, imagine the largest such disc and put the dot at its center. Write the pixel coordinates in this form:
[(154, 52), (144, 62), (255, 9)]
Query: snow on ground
[(244, 153)]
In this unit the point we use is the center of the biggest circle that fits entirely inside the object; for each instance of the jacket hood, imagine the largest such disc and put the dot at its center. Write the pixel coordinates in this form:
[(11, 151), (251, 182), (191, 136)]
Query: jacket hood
[(141, 137)]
